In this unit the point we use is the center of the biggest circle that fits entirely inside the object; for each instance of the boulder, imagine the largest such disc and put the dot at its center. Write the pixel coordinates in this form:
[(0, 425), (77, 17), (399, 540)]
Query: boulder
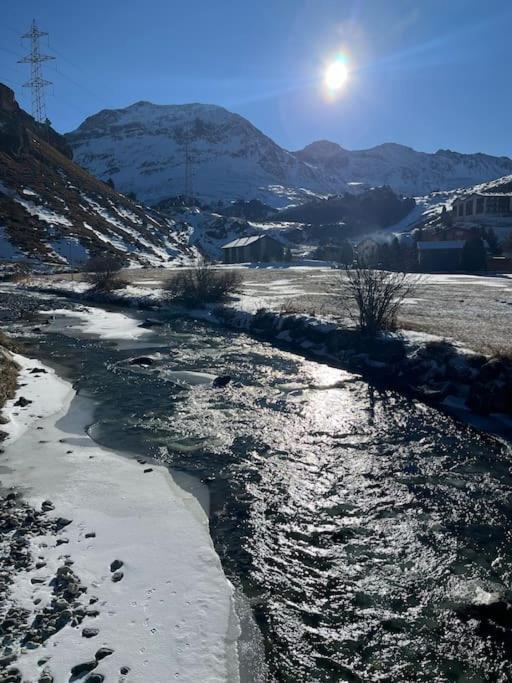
[(142, 361), (84, 667), (151, 322), (221, 381), (89, 632), (103, 652)]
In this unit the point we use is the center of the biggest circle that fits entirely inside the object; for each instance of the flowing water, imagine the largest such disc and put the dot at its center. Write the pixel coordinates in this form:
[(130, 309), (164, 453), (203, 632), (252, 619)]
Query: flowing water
[(369, 533)]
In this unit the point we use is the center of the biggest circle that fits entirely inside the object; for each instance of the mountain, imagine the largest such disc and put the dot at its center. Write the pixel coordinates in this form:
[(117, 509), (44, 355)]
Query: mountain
[(143, 148), (53, 212), (404, 169)]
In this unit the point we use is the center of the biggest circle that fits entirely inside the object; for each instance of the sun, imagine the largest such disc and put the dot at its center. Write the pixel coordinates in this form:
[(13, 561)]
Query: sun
[(336, 75)]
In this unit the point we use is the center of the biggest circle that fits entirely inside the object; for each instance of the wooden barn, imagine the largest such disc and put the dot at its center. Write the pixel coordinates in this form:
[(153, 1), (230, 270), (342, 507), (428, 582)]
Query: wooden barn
[(441, 256), (254, 249)]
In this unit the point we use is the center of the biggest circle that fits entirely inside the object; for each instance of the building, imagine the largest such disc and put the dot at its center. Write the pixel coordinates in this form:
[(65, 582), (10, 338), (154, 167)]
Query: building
[(443, 256), (254, 249), (476, 207), (367, 252)]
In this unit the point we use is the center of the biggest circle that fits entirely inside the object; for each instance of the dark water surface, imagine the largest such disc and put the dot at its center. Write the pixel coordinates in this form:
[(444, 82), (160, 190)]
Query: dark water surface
[(370, 533)]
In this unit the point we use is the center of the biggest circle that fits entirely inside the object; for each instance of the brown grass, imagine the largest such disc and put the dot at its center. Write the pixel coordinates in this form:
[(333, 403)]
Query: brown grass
[(8, 376)]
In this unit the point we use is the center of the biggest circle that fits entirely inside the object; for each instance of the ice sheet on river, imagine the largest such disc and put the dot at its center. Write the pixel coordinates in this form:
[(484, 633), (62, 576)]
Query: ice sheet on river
[(171, 616)]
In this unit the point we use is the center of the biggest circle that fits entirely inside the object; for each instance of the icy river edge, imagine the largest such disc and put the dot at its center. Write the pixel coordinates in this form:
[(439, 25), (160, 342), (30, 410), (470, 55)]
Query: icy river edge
[(171, 614)]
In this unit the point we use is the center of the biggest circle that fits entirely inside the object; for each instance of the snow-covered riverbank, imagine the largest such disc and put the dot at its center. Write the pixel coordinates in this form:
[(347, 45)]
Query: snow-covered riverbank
[(168, 614)]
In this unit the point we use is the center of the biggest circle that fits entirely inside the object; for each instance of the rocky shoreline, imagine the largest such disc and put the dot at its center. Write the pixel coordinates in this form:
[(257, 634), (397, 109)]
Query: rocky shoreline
[(21, 528), (436, 371)]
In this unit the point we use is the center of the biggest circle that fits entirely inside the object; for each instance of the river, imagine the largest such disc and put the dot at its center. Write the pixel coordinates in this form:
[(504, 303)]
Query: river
[(370, 534)]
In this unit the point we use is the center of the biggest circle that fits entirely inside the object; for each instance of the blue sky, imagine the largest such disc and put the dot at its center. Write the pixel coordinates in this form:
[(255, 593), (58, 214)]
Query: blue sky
[(426, 73)]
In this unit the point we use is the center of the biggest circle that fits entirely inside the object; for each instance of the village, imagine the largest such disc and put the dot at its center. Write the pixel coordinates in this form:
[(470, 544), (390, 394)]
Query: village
[(473, 235)]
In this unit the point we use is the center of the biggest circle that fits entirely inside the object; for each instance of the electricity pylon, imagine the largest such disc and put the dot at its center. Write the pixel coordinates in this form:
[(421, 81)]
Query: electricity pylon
[(36, 83)]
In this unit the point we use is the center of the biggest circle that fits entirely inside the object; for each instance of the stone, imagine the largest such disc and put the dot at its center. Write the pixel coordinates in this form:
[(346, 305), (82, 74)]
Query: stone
[(103, 652), (148, 469), (221, 381), (124, 670), (115, 565), (95, 678), (143, 361), (89, 632), (90, 534), (84, 667), (61, 522), (117, 576), (22, 402), (5, 661), (151, 322), (47, 505)]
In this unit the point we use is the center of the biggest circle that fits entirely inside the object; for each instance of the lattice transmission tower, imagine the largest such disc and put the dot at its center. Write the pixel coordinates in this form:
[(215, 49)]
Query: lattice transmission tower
[(36, 83), (188, 166)]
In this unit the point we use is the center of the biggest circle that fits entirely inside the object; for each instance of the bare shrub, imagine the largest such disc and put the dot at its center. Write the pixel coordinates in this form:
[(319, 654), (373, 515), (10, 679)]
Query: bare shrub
[(372, 298), (103, 273), (292, 306), (202, 284), (106, 282), (103, 264)]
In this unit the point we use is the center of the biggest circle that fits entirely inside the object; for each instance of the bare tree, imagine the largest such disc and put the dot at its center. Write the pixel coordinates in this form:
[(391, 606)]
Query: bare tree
[(203, 284), (372, 298), (104, 272)]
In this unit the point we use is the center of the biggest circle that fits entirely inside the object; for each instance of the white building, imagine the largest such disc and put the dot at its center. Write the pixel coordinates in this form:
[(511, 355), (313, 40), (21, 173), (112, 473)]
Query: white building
[(478, 207)]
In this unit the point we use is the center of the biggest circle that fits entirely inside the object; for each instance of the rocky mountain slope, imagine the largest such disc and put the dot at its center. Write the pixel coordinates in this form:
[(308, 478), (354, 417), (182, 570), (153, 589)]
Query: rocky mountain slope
[(53, 212), (404, 169), (143, 148)]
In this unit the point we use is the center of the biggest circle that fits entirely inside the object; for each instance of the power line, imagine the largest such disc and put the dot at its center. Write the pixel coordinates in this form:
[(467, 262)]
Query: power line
[(37, 83), (188, 165)]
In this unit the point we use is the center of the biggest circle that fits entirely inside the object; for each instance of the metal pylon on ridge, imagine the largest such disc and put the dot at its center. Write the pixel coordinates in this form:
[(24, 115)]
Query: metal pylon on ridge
[(36, 83), (188, 166)]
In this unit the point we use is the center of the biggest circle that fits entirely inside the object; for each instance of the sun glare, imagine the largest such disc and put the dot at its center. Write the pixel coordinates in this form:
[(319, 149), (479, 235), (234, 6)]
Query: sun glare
[(336, 75)]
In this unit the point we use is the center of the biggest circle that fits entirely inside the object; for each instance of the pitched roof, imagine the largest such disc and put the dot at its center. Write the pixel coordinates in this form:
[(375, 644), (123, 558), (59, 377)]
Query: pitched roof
[(243, 241), (441, 244)]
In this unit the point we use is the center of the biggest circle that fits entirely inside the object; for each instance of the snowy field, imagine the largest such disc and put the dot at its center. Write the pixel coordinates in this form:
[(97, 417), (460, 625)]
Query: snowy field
[(474, 310)]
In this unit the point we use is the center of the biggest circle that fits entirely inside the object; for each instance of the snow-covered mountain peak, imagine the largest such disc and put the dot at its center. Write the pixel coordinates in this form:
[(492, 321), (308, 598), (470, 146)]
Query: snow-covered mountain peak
[(143, 148)]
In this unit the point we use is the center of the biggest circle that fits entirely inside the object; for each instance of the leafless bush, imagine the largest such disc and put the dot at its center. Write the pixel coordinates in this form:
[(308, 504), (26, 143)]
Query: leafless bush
[(372, 298), (202, 284), (292, 306), (103, 273), (106, 282), (103, 264)]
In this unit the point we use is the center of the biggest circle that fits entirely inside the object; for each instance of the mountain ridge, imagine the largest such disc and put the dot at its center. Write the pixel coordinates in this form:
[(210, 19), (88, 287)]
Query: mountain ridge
[(143, 148)]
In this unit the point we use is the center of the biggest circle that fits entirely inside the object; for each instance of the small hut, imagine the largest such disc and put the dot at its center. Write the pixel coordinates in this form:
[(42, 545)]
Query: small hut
[(254, 249)]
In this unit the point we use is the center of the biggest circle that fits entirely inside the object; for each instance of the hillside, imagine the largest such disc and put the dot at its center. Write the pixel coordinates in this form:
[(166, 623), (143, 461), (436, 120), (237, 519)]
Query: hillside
[(404, 169), (53, 212), (143, 148)]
